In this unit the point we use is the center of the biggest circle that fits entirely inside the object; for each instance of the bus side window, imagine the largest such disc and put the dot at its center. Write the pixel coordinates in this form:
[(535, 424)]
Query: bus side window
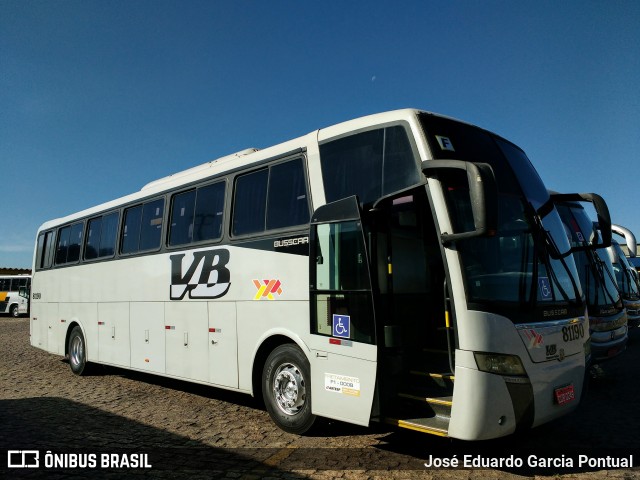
[(49, 250), (182, 207), (75, 240), (93, 238), (40, 251), (142, 227), (101, 236), (151, 229), (108, 235), (368, 164), (250, 202), (271, 198), (207, 223), (63, 245), (287, 201), (131, 229)]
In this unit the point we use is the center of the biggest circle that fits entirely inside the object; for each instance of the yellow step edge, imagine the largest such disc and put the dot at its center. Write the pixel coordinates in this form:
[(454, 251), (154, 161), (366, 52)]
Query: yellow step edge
[(417, 427), (445, 376), (436, 401)]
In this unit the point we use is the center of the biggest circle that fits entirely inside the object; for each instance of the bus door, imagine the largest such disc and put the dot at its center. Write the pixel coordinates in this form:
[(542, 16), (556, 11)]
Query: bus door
[(343, 334), (417, 342)]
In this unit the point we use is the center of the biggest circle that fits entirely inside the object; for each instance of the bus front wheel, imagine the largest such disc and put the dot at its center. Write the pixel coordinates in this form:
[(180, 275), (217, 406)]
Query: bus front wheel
[(286, 388), (15, 313), (77, 351)]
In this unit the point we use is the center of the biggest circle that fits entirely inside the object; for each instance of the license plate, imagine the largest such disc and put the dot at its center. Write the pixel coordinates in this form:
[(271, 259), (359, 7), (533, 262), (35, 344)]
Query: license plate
[(565, 395)]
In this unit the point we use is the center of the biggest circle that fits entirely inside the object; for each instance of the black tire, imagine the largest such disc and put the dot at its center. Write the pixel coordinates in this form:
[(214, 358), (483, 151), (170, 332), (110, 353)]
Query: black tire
[(286, 389), (14, 311), (77, 351)]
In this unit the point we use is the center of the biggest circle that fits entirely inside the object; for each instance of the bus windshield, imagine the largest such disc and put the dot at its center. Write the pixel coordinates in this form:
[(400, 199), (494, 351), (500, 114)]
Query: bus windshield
[(594, 267), (524, 271), (624, 276)]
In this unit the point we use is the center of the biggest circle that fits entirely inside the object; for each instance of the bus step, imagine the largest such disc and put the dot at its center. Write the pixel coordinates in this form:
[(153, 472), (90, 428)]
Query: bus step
[(439, 405), (432, 425), (435, 351), (437, 379)]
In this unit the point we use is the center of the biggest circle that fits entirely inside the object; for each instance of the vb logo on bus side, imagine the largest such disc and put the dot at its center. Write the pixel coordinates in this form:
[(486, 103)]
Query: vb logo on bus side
[(203, 274)]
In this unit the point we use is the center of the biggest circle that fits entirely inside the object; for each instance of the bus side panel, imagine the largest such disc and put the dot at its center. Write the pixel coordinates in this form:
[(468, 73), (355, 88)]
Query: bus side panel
[(56, 329), (186, 337), (260, 319), (223, 344), (148, 336), (39, 324), (113, 334)]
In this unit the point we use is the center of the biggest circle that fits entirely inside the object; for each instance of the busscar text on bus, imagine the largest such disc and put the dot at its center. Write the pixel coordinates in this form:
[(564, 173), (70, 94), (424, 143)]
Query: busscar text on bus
[(403, 267)]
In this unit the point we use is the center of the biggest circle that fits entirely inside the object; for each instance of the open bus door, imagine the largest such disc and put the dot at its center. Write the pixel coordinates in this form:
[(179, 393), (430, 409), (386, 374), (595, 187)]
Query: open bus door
[(343, 333)]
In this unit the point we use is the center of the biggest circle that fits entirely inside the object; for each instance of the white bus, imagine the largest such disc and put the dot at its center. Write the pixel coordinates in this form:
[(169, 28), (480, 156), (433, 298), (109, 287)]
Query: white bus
[(626, 274), (590, 240), (403, 267), (14, 294)]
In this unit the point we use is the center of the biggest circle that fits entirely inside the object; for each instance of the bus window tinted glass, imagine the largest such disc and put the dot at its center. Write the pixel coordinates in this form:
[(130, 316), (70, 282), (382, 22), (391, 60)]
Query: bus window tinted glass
[(353, 166), (197, 215), (287, 203), (151, 229), (93, 238), (68, 247), (399, 165), (207, 223), (108, 235), (369, 165), (63, 245), (75, 240), (49, 250), (182, 218), (250, 203), (131, 229), (40, 251)]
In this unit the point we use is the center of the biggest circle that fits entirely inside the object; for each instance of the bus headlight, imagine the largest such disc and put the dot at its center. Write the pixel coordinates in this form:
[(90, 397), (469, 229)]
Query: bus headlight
[(499, 363)]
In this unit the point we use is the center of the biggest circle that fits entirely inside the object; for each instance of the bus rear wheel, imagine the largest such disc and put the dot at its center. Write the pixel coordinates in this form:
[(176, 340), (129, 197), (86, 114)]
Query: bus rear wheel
[(286, 388), (77, 351)]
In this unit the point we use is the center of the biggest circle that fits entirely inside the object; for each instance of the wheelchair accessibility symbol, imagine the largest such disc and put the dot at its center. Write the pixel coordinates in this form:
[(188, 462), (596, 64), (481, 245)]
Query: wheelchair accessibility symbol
[(545, 288), (342, 326)]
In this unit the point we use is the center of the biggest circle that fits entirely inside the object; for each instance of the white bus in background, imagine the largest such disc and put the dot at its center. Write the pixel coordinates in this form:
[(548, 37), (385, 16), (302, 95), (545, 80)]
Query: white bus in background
[(402, 267), (14, 294), (626, 274), (589, 241)]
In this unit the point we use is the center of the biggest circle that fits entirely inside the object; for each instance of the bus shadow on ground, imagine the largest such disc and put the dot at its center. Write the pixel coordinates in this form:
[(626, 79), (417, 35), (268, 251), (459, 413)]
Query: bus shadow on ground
[(324, 428), (67, 434)]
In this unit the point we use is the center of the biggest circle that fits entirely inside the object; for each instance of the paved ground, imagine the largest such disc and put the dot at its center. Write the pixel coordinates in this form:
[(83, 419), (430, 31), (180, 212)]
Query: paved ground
[(190, 431)]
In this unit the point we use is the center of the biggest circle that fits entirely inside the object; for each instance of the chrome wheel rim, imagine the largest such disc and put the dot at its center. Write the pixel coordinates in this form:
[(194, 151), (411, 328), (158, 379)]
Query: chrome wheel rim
[(76, 351), (289, 389)]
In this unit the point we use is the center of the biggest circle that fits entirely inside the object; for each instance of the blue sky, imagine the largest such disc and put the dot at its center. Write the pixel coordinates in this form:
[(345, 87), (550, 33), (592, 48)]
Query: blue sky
[(98, 98)]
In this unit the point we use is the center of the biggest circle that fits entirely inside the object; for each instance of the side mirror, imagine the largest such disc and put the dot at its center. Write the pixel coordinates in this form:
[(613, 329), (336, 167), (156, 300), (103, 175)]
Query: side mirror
[(602, 212), (483, 195), (629, 237), (23, 292)]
